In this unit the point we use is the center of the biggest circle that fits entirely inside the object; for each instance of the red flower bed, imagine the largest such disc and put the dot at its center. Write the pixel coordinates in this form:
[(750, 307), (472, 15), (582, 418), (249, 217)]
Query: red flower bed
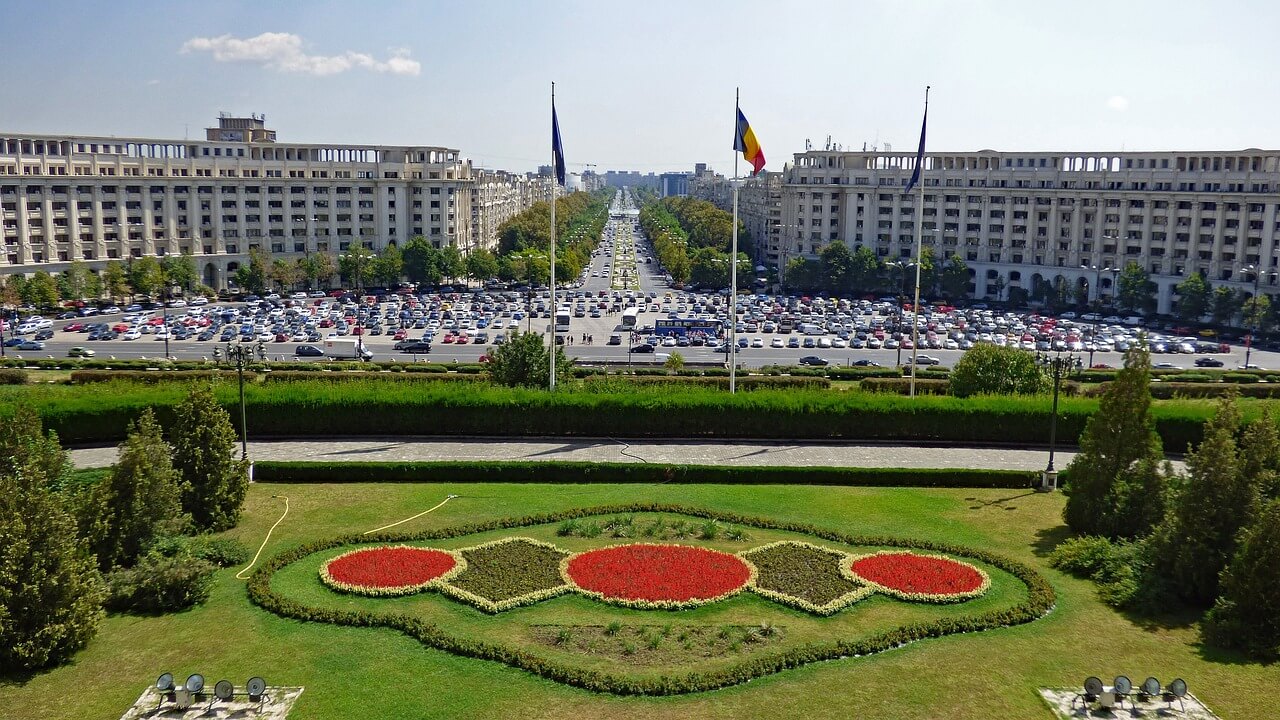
[(650, 576), (387, 570), (920, 577)]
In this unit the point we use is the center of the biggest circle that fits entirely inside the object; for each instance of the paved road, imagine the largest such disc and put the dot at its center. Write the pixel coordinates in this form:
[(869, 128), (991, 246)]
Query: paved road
[(798, 454)]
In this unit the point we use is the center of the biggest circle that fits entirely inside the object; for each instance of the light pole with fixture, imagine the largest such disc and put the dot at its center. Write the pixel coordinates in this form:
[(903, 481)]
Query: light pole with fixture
[(1097, 297), (1058, 365), (241, 354), (902, 267), (1253, 333)]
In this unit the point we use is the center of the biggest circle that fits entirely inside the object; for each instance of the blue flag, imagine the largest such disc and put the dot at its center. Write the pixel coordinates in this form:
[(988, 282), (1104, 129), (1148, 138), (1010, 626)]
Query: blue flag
[(915, 174), (556, 148)]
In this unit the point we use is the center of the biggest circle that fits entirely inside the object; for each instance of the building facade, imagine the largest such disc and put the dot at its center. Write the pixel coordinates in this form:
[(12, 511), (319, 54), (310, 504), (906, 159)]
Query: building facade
[(1021, 219), (759, 207), (498, 196), (97, 199)]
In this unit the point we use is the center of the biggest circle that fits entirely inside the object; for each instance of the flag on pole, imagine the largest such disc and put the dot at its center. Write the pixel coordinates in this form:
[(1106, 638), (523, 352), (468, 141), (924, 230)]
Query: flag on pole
[(915, 174), (556, 148), (744, 141)]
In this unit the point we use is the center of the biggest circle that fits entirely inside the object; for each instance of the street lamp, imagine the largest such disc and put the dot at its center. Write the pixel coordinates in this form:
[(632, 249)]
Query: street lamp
[(241, 354), (1097, 296), (1253, 335), (902, 267), (1059, 365)]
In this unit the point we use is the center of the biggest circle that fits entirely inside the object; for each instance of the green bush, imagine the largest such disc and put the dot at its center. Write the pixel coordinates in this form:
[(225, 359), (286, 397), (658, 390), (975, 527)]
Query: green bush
[(219, 551), (744, 382), (337, 377), (861, 373), (1113, 566), (1193, 378), (902, 385), (581, 472), (160, 584), (13, 376), (1167, 390), (85, 377), (993, 370), (1235, 377)]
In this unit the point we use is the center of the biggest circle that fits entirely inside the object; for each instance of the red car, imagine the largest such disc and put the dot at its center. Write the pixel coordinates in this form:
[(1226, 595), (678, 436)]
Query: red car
[(400, 335), (73, 327), (448, 339)]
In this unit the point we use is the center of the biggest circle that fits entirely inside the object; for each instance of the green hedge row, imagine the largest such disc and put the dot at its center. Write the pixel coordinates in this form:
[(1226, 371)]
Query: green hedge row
[(902, 386), (337, 377), (1039, 601), (86, 377), (746, 382), (625, 473)]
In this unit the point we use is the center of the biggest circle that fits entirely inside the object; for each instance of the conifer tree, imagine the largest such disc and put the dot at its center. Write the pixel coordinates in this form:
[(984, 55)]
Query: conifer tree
[(50, 590), (1117, 481), (212, 480), (1244, 616)]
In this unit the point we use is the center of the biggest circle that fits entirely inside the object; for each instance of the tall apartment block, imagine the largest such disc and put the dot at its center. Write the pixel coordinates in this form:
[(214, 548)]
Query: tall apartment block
[(1029, 217), (97, 199)]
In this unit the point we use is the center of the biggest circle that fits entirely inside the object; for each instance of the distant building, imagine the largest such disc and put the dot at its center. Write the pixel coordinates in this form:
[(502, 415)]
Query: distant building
[(673, 184), (759, 207), (631, 179)]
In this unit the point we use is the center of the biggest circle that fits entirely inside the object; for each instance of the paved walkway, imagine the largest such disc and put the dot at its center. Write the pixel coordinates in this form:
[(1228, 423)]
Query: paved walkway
[(656, 451)]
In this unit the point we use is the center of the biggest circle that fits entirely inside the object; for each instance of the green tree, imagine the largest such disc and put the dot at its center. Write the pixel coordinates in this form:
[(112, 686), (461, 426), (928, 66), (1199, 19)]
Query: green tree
[(315, 268), (421, 261), (213, 481), (1018, 297), (865, 272), (355, 264), (1244, 616), (837, 268), (928, 274), (51, 592), (1116, 483), (803, 274), (988, 369), (1256, 313), (1193, 298), (40, 290), (451, 265), (115, 280), (1226, 304), (252, 277), (388, 266), (997, 285), (482, 265), (674, 362), (1260, 455), (955, 279), (283, 273), (146, 276), (138, 501), (180, 271), (73, 283), (1134, 289), (524, 361)]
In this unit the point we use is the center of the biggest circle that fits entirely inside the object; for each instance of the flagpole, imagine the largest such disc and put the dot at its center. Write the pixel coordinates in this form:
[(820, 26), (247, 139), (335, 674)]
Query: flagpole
[(554, 182), (733, 267), (915, 308)]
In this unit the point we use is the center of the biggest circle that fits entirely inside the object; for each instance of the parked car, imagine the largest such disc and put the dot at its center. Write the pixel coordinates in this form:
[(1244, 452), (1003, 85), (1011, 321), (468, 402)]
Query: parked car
[(1208, 362), (414, 346), (308, 351), (925, 360), (31, 345), (812, 360), (642, 348)]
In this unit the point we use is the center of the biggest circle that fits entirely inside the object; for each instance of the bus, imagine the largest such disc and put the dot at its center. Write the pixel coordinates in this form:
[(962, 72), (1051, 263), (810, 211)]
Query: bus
[(629, 317), (562, 319)]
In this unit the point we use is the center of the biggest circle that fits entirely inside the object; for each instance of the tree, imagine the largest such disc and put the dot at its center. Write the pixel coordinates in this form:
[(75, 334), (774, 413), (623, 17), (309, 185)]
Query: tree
[(1226, 303), (180, 271), (40, 290), (1256, 313), (1116, 483), (355, 264), (138, 501), (213, 482), (674, 362), (1260, 455), (283, 273), (451, 262), (998, 284), (993, 370), (1193, 298), (837, 268), (955, 279), (1134, 291), (146, 276), (1244, 616), (803, 274), (253, 276), (865, 271), (524, 361), (115, 281), (73, 283), (388, 266), (482, 265), (315, 267), (51, 592)]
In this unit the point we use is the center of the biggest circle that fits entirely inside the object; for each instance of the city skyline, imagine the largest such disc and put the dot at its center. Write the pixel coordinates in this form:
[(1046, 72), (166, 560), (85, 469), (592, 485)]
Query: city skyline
[(652, 92)]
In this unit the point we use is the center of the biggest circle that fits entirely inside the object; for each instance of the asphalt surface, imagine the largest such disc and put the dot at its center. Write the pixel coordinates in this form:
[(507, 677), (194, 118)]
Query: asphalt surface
[(602, 450)]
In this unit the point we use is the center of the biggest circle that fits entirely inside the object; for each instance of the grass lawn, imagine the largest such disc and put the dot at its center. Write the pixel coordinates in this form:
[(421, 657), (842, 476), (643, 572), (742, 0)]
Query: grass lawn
[(361, 672)]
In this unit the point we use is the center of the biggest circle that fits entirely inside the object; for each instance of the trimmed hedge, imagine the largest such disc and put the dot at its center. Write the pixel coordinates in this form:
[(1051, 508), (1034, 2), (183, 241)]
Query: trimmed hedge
[(902, 385), (1168, 390), (86, 377), (1039, 602), (746, 382), (624, 473), (861, 373), (13, 376), (392, 376)]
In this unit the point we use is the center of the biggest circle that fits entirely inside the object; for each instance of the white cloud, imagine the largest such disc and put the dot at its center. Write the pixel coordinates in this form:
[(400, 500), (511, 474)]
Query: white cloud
[(1118, 102), (283, 52)]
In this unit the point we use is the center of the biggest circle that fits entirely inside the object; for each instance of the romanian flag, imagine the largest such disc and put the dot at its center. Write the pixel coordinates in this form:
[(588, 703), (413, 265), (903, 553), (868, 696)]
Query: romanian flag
[(744, 141)]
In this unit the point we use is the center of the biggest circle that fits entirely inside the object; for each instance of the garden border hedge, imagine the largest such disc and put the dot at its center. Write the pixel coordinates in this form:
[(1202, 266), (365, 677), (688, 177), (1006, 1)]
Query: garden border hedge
[(555, 471), (1040, 600)]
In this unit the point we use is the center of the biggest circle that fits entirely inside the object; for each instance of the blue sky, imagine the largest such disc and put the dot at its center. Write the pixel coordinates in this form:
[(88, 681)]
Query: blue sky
[(650, 85)]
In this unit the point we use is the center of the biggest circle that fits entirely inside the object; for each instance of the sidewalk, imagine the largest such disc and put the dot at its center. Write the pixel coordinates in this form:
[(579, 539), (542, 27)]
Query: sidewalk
[(690, 452)]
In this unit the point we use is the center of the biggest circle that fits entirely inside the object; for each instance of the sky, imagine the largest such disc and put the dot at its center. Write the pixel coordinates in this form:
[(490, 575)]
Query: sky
[(649, 86)]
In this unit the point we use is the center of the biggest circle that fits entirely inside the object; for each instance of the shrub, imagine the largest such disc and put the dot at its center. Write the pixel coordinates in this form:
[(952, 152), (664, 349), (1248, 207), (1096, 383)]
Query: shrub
[(84, 377), (524, 361), (1244, 616), (1233, 377), (1114, 567), (902, 386), (13, 376), (159, 584), (993, 370), (214, 483), (222, 552)]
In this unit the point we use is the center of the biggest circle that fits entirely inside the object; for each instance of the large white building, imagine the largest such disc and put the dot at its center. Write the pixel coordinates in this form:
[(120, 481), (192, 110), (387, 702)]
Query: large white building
[(1021, 218), (97, 199)]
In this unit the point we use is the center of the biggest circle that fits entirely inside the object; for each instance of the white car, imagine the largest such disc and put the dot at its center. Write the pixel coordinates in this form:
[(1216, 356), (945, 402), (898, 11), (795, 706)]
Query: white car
[(777, 343), (131, 334)]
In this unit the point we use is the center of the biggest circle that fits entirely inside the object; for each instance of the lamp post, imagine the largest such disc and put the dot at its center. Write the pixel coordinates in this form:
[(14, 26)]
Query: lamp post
[(902, 299), (1097, 296), (1253, 333), (1059, 365), (241, 354)]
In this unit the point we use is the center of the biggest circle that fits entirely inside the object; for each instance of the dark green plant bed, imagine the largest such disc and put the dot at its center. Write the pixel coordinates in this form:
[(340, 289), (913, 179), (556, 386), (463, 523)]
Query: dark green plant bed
[(1040, 599), (584, 472)]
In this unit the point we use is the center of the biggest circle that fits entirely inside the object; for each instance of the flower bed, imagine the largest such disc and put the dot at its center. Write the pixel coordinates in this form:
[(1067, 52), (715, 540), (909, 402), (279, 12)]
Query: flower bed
[(919, 578), (804, 576), (508, 573), (390, 570), (657, 576)]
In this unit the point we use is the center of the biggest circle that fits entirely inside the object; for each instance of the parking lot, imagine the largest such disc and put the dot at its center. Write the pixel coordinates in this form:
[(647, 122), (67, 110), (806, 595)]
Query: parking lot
[(459, 323)]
